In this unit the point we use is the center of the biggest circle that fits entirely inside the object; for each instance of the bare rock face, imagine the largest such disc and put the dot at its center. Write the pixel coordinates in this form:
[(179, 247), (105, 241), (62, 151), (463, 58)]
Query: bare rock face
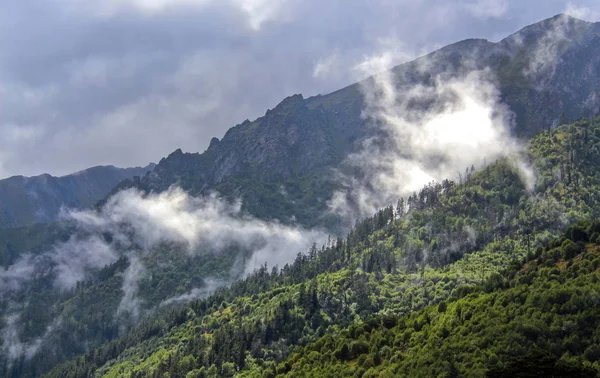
[(295, 144)]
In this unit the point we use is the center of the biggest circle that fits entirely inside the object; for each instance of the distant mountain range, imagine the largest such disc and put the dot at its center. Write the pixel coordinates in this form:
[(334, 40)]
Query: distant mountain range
[(29, 200)]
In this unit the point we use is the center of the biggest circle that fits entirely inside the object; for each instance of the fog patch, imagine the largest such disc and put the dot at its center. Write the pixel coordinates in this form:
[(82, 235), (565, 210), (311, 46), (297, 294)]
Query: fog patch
[(67, 262), (77, 256), (582, 12), (13, 276), (425, 132), (133, 224), (201, 225), (130, 302), (552, 38), (209, 287), (13, 347)]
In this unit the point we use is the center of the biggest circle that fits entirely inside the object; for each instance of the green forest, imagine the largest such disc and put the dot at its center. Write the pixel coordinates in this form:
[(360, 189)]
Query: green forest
[(471, 277)]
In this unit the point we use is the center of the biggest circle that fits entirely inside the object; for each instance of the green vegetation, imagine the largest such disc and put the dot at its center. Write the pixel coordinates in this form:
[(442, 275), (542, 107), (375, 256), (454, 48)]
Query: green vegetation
[(541, 319), (389, 297), (479, 277)]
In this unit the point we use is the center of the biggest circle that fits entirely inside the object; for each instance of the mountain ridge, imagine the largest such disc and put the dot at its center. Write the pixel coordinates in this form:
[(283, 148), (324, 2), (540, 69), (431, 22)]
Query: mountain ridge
[(281, 166), (304, 139), (29, 200)]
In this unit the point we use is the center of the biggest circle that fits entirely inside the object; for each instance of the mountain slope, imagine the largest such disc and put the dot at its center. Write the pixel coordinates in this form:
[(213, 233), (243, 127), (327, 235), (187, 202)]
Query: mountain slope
[(281, 164), (459, 238), (538, 319), (28, 200)]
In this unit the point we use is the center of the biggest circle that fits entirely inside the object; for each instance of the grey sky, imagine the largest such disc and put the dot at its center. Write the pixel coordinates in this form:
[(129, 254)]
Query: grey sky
[(126, 82)]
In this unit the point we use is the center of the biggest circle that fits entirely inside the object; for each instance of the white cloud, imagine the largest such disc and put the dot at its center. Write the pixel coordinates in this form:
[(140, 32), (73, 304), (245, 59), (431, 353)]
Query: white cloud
[(327, 66), (75, 258), (12, 345), (583, 12), (430, 133), (203, 225), (262, 11), (132, 224), (67, 262), (542, 60), (13, 276), (209, 287), (384, 54), (130, 302), (487, 9)]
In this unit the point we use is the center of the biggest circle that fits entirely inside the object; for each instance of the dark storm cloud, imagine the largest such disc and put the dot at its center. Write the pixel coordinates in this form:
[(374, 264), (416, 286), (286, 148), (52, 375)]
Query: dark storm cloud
[(127, 81)]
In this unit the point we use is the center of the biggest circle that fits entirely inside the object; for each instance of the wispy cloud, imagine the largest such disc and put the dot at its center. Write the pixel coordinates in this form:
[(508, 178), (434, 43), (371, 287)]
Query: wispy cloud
[(582, 12), (425, 132), (209, 287), (12, 345), (130, 302), (132, 225)]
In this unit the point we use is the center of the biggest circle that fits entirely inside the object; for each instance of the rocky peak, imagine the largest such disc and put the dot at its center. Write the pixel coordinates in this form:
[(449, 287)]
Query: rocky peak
[(214, 142), (289, 104), (561, 26)]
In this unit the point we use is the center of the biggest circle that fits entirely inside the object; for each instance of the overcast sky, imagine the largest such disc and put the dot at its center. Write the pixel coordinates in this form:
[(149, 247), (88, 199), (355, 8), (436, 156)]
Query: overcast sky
[(126, 82)]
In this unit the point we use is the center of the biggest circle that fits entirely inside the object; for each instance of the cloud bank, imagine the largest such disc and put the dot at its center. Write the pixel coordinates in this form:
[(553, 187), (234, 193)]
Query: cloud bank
[(209, 287), (133, 222), (425, 132), (132, 225), (203, 225)]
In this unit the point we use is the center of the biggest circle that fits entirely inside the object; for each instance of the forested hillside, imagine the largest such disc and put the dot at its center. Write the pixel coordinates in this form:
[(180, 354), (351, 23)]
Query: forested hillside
[(539, 318), (466, 278), (156, 279)]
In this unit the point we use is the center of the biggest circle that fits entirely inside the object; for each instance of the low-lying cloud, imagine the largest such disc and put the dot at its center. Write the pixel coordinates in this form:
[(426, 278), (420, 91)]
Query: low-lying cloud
[(202, 224), (132, 221), (425, 132), (210, 285), (67, 262), (550, 43), (13, 347), (130, 302), (131, 225), (77, 256)]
